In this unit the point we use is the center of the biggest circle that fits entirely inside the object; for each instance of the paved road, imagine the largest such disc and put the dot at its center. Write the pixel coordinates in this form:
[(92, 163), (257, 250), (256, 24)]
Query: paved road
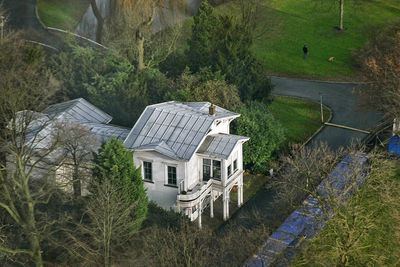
[(340, 97)]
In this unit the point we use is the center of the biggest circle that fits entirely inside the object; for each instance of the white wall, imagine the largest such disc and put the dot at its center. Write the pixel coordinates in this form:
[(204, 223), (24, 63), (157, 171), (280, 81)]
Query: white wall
[(158, 190)]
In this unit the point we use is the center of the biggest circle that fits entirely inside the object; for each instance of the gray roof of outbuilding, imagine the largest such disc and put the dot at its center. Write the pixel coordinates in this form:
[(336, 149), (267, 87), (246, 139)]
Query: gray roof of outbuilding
[(180, 126), (78, 110), (220, 145), (107, 131)]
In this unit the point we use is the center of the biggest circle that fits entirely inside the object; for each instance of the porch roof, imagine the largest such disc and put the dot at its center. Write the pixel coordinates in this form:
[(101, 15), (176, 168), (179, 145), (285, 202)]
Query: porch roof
[(220, 145)]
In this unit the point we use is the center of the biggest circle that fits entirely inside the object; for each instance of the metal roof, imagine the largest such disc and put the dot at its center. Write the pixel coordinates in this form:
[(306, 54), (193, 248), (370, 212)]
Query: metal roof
[(220, 145), (78, 110), (107, 131), (181, 126)]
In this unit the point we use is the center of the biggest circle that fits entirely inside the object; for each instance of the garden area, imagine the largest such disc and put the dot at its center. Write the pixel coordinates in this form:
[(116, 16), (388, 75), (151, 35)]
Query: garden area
[(286, 25), (62, 14)]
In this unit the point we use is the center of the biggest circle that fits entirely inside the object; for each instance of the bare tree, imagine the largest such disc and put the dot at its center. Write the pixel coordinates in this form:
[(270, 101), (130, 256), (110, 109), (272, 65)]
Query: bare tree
[(106, 226), (100, 21), (380, 66), (302, 171), (131, 31), (26, 85), (78, 144)]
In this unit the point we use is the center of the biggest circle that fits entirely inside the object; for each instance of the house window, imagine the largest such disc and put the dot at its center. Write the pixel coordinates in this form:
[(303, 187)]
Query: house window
[(211, 169), (235, 167), (216, 169), (147, 171), (171, 175), (229, 170), (206, 169)]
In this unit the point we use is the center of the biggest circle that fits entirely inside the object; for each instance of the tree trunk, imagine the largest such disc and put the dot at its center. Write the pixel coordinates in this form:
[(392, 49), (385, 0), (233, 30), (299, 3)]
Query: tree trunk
[(100, 21), (341, 15), (33, 235), (140, 49), (77, 186)]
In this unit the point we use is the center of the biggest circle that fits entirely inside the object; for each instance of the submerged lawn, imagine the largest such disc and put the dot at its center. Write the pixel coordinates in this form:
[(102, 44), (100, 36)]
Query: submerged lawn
[(286, 25), (63, 14), (300, 118)]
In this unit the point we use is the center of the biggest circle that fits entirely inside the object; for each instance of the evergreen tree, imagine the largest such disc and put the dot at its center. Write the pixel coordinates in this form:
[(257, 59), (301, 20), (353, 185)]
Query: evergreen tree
[(202, 43), (115, 163)]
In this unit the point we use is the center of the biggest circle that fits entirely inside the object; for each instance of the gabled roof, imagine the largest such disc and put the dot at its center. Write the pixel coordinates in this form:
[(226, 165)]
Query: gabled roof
[(220, 145), (78, 110), (181, 126)]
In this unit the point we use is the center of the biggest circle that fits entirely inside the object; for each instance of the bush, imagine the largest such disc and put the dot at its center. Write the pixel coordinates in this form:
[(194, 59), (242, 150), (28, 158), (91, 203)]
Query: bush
[(266, 135)]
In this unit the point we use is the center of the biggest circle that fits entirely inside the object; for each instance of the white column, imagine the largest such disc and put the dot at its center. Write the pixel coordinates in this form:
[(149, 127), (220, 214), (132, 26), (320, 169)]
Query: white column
[(199, 212), (226, 204), (212, 204)]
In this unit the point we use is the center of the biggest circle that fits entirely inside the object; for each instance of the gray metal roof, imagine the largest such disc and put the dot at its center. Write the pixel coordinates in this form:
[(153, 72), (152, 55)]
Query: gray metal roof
[(78, 110), (106, 131), (181, 126), (160, 147), (220, 145)]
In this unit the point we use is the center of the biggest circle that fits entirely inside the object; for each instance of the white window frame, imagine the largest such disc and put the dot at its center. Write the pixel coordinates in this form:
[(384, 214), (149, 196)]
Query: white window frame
[(166, 182), (152, 171)]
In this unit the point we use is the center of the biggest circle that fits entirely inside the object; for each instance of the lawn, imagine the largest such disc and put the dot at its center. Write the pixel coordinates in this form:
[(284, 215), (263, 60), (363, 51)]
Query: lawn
[(62, 14), (286, 25), (300, 118), (372, 217)]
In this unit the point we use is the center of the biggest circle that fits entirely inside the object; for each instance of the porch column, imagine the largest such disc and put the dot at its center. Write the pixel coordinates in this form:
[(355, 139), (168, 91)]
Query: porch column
[(212, 204), (199, 216), (240, 192), (226, 204)]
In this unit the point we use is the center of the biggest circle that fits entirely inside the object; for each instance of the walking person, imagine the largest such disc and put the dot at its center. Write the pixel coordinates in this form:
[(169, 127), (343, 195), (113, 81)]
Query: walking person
[(305, 52)]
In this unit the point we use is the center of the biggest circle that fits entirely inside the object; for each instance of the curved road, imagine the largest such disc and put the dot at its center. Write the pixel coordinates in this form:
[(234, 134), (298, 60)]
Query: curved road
[(340, 97)]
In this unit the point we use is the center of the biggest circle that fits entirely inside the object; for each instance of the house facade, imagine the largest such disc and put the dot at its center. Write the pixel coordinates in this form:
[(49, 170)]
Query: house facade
[(188, 157), (186, 153)]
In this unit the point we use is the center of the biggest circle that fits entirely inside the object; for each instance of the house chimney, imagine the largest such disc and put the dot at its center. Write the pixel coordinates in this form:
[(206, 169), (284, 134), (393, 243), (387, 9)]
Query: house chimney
[(211, 110)]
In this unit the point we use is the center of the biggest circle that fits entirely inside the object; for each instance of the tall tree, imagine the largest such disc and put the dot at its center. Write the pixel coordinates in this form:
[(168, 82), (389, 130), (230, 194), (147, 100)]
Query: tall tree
[(380, 66), (26, 86), (115, 163), (78, 145), (100, 21)]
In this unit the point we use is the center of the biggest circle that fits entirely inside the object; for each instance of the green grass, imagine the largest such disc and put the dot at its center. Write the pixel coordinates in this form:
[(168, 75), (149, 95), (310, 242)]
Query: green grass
[(375, 207), (63, 14), (300, 118), (286, 25)]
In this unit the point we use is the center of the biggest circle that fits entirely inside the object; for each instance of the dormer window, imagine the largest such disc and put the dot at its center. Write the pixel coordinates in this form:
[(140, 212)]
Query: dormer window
[(211, 169)]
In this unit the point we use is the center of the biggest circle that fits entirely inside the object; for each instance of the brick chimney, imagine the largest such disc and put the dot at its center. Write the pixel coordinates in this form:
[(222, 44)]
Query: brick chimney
[(212, 110)]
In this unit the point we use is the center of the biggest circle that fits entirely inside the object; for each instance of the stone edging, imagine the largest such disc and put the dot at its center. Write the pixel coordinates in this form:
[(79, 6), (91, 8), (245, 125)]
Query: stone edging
[(331, 114)]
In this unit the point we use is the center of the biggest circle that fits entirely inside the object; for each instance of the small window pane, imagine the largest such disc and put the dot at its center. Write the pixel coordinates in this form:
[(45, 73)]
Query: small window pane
[(147, 170), (235, 165), (216, 169), (229, 170), (171, 175)]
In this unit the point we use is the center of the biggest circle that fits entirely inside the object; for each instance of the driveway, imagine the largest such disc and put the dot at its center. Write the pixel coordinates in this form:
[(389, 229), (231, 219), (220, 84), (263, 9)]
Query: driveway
[(340, 97)]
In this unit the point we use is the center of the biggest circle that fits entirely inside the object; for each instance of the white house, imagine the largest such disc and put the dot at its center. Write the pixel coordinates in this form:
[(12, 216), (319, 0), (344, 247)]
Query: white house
[(187, 156)]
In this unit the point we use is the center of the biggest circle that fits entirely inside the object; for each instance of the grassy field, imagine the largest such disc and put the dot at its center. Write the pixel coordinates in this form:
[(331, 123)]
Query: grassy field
[(63, 14), (372, 217), (299, 118), (286, 25)]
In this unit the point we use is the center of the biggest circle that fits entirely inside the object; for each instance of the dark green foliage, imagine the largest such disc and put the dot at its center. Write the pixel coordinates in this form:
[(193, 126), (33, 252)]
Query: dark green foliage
[(160, 217), (223, 43), (110, 82), (266, 135), (115, 163), (206, 86), (202, 43)]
